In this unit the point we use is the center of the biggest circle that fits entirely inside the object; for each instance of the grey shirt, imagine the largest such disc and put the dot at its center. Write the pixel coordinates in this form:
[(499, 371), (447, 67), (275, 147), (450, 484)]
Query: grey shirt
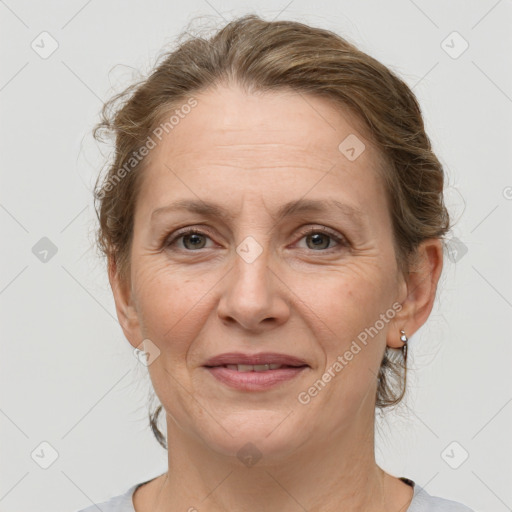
[(421, 502)]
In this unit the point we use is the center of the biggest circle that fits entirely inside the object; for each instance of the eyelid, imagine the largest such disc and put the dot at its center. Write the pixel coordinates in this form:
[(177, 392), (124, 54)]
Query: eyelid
[(175, 235), (338, 237), (204, 230)]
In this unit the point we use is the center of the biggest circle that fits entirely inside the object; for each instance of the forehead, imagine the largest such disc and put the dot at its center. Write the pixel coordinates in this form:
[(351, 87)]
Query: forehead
[(228, 118), (232, 141)]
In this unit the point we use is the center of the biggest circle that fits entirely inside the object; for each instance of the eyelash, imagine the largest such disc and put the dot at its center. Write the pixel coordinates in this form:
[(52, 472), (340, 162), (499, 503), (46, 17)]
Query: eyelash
[(340, 240)]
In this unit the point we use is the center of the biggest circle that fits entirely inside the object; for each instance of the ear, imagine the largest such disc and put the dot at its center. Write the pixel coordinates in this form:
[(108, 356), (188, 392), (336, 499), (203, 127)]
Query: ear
[(125, 305), (418, 291)]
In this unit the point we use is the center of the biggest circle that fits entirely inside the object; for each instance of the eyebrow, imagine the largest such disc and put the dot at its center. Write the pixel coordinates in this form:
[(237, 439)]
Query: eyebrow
[(290, 208)]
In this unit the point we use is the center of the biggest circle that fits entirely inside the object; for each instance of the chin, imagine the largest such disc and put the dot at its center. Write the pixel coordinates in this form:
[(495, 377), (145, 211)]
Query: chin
[(260, 436)]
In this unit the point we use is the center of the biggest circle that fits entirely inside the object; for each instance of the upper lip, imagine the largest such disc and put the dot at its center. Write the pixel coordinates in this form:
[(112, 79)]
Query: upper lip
[(253, 359)]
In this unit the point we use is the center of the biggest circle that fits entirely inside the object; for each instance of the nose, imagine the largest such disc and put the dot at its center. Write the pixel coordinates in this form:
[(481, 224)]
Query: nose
[(254, 297)]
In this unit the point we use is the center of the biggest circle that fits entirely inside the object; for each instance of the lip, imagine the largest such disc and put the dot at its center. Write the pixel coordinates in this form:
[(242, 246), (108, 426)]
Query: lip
[(255, 380), (260, 358)]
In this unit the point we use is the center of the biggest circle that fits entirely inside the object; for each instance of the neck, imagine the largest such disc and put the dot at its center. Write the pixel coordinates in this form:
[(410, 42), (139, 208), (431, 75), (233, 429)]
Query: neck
[(336, 473)]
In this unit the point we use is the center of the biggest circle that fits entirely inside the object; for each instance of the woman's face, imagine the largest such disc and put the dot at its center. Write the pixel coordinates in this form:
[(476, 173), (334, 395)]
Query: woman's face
[(255, 280)]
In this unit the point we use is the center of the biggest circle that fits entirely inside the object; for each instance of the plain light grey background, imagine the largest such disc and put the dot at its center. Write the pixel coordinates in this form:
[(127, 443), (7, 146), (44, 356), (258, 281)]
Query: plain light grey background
[(70, 380)]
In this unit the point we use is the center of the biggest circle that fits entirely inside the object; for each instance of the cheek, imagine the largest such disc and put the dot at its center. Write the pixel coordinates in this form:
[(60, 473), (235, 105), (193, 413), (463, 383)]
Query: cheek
[(171, 310), (351, 299), (169, 306), (347, 309), (351, 305)]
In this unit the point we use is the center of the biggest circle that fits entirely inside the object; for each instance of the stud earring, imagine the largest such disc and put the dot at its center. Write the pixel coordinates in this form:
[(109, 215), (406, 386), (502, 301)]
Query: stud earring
[(404, 339)]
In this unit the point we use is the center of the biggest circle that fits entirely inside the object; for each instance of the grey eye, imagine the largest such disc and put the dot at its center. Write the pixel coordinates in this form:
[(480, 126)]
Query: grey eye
[(194, 239), (317, 242)]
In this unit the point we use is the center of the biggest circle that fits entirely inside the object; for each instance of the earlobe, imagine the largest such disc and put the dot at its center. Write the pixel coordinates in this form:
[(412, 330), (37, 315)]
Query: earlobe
[(398, 335)]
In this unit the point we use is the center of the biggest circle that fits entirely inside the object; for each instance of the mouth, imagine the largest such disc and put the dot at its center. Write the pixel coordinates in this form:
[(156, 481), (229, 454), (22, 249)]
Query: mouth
[(254, 367), (257, 372)]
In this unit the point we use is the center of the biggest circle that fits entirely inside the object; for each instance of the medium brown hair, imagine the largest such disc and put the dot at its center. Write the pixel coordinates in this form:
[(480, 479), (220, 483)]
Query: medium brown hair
[(265, 56)]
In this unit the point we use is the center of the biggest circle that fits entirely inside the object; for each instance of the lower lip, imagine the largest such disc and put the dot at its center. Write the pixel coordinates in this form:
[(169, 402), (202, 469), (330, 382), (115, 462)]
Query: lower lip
[(254, 381)]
